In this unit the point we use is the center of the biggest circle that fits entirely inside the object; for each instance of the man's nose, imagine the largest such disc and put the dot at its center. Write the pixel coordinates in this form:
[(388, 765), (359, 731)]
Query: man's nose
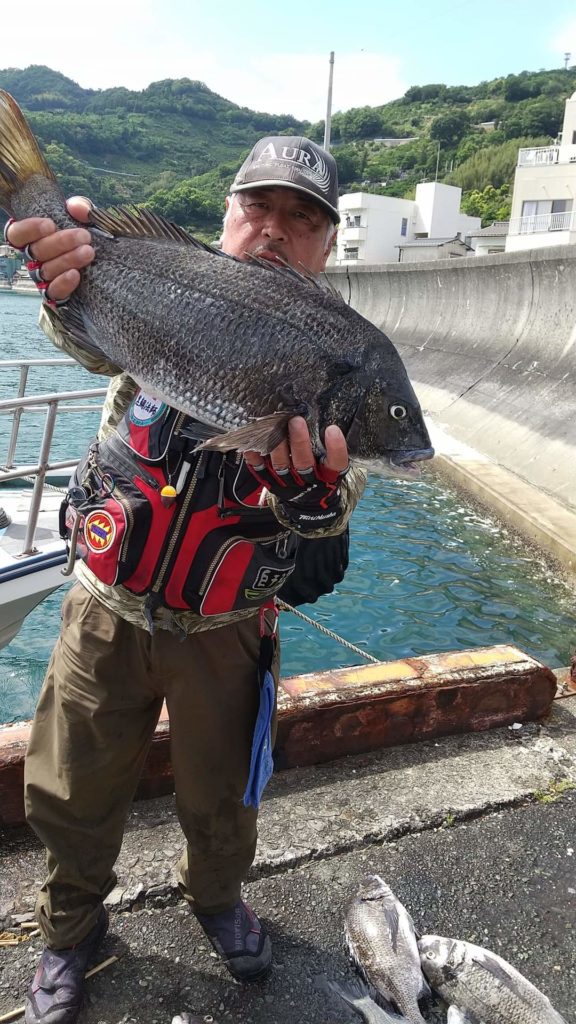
[(274, 226)]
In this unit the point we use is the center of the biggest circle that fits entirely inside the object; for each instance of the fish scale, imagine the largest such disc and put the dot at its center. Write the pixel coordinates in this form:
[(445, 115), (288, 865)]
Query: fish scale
[(241, 345), (481, 985)]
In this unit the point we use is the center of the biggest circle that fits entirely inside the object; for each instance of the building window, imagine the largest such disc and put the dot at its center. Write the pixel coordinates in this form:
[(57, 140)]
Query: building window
[(404, 227), (351, 254), (561, 205), (545, 215)]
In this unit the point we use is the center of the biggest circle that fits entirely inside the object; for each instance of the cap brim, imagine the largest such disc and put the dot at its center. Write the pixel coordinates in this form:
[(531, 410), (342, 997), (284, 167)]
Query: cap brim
[(274, 183)]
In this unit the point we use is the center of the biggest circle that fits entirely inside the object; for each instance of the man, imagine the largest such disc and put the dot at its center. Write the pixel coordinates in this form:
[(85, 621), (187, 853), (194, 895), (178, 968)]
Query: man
[(120, 654)]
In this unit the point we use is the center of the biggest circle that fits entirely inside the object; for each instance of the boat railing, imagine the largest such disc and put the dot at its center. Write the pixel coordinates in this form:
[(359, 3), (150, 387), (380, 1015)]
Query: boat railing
[(52, 404)]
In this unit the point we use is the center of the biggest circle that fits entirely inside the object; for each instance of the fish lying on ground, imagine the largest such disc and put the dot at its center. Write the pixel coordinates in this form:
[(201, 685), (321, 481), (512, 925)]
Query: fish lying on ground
[(357, 995), (241, 346), (481, 987), (187, 1018), (382, 941)]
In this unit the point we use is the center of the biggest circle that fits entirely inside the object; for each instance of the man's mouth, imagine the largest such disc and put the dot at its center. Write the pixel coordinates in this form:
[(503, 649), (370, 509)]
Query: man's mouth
[(273, 257)]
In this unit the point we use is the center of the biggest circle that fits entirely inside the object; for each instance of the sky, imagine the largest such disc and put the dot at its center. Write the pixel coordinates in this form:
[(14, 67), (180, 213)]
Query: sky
[(274, 57)]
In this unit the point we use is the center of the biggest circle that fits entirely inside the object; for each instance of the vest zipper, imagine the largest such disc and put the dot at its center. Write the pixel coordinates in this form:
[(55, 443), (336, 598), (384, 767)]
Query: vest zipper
[(222, 551), (131, 465), (156, 587)]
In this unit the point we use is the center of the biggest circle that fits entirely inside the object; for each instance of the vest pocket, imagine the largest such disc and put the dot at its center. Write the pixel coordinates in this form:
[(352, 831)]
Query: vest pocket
[(238, 573)]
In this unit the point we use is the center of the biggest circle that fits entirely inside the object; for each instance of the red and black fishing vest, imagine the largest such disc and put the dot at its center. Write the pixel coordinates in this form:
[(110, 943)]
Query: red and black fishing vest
[(183, 528)]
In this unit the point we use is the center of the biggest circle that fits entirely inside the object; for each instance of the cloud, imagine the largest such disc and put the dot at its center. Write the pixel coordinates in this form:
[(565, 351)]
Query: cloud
[(297, 84), (131, 44), (564, 41)]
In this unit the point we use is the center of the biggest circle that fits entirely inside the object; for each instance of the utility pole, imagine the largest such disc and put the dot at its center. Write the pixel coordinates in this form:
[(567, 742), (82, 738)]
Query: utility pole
[(328, 122), (566, 60), (437, 162)]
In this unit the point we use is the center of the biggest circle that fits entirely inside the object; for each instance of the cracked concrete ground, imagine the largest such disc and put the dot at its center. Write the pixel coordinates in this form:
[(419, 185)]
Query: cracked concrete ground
[(476, 835)]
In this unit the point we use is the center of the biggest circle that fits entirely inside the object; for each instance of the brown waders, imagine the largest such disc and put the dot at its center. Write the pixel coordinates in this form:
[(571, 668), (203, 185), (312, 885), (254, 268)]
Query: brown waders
[(95, 719)]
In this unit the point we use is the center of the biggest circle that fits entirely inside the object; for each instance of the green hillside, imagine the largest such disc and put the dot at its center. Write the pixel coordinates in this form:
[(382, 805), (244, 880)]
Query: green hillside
[(176, 144)]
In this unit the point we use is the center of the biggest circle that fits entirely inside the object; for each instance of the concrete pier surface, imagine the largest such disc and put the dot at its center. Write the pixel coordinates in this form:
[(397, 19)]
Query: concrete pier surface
[(476, 834)]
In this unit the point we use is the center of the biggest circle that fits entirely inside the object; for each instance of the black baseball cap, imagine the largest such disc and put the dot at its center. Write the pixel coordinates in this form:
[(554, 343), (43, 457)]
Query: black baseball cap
[(292, 161)]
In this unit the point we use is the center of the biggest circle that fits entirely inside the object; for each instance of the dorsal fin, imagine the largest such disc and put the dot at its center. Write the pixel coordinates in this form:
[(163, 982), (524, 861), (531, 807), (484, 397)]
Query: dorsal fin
[(134, 222), (301, 274)]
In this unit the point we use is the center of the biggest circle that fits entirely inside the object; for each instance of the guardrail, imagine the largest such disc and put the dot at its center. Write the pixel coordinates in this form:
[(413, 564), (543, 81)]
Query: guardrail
[(52, 404), (543, 222)]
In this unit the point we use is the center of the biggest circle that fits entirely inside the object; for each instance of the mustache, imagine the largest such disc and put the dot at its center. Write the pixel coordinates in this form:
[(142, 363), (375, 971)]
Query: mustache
[(270, 247)]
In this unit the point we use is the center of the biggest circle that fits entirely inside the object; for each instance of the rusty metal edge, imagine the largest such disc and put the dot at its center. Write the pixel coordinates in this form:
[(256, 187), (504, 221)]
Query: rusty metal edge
[(157, 776)]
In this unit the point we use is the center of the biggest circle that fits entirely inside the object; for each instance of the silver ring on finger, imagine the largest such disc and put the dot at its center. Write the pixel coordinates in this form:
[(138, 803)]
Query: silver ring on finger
[(37, 276), (29, 255)]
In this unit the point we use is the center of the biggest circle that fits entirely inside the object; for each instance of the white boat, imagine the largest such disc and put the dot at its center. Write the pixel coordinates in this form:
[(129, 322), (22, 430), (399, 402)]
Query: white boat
[(32, 554), (23, 284)]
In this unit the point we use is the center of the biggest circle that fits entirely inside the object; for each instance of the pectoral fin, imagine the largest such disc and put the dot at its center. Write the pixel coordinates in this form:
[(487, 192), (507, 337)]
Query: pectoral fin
[(261, 435)]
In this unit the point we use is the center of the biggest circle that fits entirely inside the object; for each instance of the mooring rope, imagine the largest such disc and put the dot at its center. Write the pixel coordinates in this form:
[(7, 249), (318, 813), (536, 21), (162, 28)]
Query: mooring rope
[(32, 479), (323, 629)]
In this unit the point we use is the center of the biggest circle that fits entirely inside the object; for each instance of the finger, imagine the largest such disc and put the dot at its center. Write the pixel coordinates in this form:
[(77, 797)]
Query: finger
[(300, 444), (337, 457), (24, 232), (71, 246), (280, 456), (62, 286), (79, 207)]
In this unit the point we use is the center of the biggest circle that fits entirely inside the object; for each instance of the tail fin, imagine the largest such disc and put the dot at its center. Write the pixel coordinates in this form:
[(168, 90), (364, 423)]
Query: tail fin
[(20, 157), (361, 998)]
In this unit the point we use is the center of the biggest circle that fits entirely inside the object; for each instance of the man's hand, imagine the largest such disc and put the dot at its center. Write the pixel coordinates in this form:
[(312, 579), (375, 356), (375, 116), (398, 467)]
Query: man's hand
[(62, 253), (297, 451), (309, 490)]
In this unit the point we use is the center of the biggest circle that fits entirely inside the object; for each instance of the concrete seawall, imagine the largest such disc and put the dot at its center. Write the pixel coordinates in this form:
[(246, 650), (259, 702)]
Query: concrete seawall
[(490, 345)]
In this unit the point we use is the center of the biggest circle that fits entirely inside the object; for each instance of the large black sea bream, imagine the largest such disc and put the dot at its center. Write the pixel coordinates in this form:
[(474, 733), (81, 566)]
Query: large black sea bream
[(240, 346)]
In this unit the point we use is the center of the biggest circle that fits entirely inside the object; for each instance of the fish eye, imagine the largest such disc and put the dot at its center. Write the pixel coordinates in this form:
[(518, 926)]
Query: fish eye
[(398, 412), (430, 955)]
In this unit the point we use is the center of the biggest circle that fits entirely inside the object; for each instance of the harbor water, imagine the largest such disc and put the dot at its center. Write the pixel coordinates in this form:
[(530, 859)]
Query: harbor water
[(428, 571)]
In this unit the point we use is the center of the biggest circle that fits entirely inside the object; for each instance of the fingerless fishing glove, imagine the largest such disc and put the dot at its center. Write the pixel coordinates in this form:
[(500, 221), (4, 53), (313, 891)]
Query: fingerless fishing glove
[(310, 498)]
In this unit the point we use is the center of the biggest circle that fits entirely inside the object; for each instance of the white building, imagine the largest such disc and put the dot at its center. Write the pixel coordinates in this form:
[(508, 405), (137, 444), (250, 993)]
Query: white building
[(490, 239), (372, 228), (544, 191), (424, 249)]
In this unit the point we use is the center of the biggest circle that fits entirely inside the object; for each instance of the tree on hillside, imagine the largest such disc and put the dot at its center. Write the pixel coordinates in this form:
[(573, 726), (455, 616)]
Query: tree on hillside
[(450, 128), (491, 204), (494, 165), (543, 116)]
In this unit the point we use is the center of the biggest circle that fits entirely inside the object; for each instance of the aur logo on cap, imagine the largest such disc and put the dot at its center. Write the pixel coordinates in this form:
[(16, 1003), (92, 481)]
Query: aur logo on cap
[(292, 162)]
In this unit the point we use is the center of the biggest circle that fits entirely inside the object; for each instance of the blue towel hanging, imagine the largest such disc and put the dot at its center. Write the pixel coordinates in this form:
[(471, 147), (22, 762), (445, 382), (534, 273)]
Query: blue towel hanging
[(261, 763)]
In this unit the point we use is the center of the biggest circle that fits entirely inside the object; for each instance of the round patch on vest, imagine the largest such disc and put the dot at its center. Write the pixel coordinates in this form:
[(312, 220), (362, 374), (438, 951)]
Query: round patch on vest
[(145, 409), (99, 531)]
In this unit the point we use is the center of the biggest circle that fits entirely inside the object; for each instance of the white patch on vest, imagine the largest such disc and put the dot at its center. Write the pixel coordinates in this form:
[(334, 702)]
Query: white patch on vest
[(146, 409)]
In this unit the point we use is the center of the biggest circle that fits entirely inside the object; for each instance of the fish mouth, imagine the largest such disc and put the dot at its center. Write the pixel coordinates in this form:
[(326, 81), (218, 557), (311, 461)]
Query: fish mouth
[(407, 464)]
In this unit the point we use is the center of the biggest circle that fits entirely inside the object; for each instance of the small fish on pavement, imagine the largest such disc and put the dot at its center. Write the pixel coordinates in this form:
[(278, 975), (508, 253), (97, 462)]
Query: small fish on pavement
[(241, 345), (358, 996), (480, 987), (382, 941)]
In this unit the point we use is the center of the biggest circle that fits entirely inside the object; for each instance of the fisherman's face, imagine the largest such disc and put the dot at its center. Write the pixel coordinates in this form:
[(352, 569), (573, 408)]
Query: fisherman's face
[(278, 224)]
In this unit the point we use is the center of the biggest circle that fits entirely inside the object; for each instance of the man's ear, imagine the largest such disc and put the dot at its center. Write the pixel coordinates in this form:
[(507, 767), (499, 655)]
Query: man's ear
[(330, 243), (227, 203)]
